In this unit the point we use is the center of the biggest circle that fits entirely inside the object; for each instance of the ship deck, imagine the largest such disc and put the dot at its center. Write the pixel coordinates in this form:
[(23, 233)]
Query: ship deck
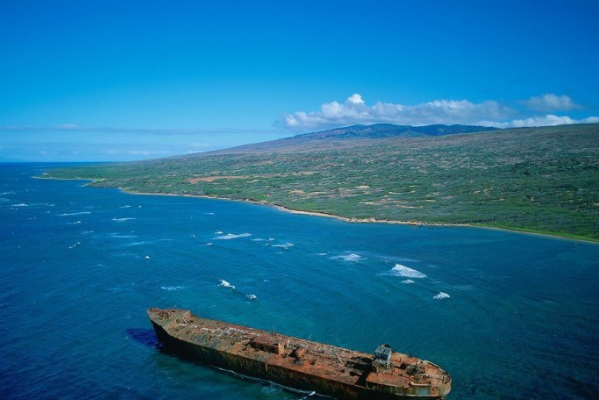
[(311, 358)]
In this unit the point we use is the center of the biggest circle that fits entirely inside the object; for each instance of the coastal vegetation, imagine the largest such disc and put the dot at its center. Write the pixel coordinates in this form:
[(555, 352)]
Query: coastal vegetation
[(543, 180)]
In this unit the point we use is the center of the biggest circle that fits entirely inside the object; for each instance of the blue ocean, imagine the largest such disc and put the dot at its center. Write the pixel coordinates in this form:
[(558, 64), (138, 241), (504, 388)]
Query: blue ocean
[(509, 315)]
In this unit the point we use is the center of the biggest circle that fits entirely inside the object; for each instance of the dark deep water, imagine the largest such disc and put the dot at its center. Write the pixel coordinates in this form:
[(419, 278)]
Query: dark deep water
[(510, 316)]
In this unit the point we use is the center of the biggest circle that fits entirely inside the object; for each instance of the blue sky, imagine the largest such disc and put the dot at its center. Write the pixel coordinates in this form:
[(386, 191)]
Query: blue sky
[(124, 80)]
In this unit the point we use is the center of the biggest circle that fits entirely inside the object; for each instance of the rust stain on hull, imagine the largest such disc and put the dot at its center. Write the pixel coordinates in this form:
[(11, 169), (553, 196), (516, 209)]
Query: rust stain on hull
[(299, 363)]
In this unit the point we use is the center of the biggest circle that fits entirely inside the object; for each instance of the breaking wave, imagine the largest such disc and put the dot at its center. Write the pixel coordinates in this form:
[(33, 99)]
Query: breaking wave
[(230, 236), (285, 246), (121, 219), (406, 272), (226, 284), (407, 282), (77, 213), (441, 295), (251, 297), (171, 288), (349, 257)]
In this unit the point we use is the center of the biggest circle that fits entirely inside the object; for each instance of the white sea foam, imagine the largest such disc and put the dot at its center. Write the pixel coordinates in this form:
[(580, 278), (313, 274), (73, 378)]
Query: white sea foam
[(122, 219), (349, 257), (118, 236), (271, 390), (226, 284), (407, 282), (20, 205), (140, 243), (218, 232), (209, 213), (406, 272), (322, 254), (285, 246), (170, 288), (441, 295), (125, 206), (251, 297), (77, 213), (230, 236), (258, 240)]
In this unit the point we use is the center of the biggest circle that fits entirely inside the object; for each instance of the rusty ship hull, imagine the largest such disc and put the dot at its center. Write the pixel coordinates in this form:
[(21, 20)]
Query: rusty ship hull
[(298, 363)]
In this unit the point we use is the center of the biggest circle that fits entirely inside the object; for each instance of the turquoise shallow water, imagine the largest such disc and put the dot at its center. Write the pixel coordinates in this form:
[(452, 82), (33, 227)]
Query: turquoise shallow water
[(510, 316)]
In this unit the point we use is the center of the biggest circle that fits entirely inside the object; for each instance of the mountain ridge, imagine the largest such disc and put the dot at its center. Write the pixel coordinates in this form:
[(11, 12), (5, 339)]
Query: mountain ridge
[(348, 136), (391, 130)]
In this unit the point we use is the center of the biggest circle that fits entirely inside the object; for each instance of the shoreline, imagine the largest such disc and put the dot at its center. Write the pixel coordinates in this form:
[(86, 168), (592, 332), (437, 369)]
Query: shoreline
[(371, 220), (279, 207)]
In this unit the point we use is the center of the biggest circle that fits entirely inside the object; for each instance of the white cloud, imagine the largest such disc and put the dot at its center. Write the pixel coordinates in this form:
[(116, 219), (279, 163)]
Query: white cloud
[(546, 120), (487, 113), (551, 120), (355, 111), (589, 120), (550, 102), (355, 98), (68, 127)]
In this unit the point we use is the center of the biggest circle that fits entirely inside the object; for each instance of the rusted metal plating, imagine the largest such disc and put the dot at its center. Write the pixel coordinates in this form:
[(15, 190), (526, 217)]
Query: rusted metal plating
[(327, 369)]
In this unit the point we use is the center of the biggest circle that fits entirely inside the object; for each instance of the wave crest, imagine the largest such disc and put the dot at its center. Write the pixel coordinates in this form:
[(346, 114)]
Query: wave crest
[(230, 236), (406, 272), (171, 288), (349, 257), (75, 213), (226, 284)]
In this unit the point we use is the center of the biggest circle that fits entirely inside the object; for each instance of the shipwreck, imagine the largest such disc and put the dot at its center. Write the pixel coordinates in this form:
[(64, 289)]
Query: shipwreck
[(298, 363)]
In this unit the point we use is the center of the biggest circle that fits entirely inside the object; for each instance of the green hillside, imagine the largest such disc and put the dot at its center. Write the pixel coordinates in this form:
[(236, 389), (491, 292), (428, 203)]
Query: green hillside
[(534, 179)]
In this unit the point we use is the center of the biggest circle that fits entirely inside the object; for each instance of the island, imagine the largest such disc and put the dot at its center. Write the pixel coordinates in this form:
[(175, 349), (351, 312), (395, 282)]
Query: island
[(539, 180)]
